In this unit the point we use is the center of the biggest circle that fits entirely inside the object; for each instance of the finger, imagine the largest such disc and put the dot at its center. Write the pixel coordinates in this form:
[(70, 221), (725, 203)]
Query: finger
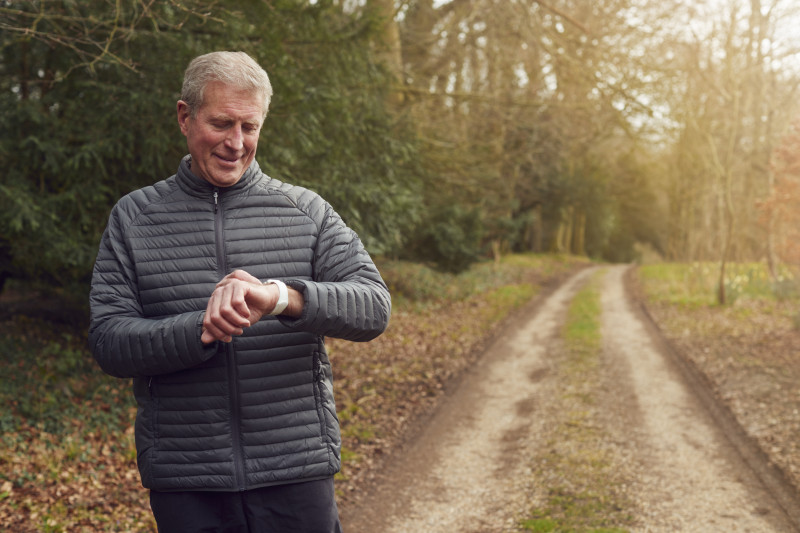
[(239, 300), (232, 306), (212, 333), (215, 333), (207, 338), (217, 324), (230, 295)]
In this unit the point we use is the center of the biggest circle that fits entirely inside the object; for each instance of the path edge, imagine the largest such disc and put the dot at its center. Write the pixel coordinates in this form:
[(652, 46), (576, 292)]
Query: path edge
[(773, 478)]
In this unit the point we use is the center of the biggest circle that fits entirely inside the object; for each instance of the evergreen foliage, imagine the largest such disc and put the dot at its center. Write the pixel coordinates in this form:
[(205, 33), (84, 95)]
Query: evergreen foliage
[(77, 130)]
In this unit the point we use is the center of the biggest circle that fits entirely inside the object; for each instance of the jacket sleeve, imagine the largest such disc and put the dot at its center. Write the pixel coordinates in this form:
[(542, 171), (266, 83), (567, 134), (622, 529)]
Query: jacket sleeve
[(124, 342), (347, 298)]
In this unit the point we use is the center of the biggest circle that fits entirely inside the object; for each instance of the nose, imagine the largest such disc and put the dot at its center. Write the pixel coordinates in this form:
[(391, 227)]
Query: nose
[(235, 139)]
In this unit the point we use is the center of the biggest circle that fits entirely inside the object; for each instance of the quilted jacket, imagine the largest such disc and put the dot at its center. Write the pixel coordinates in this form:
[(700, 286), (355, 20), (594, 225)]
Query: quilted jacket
[(258, 411)]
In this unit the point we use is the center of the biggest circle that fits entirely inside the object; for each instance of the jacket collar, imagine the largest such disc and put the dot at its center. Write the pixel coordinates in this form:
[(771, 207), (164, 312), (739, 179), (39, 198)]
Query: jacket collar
[(197, 186)]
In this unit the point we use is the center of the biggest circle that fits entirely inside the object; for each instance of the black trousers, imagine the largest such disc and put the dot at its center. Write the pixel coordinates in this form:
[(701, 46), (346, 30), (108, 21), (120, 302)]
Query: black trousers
[(308, 507)]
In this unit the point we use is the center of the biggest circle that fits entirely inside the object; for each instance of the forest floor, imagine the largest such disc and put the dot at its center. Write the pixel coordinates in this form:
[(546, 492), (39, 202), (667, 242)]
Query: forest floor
[(545, 399), (615, 431), (67, 456)]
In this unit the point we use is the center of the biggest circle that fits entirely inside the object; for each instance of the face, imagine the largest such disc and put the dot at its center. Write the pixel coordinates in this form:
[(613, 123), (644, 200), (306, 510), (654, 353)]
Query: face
[(223, 135)]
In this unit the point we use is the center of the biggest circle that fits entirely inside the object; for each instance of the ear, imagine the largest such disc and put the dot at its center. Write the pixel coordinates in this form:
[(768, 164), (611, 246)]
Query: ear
[(184, 114)]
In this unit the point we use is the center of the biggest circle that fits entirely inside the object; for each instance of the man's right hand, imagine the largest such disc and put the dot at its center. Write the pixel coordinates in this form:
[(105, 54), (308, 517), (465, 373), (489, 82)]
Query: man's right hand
[(238, 301)]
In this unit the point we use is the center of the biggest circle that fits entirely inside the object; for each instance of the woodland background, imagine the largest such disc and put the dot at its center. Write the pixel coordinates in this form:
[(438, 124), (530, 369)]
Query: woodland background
[(446, 133), (442, 131)]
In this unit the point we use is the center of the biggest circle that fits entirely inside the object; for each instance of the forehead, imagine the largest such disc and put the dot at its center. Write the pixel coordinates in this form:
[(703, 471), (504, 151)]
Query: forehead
[(220, 99)]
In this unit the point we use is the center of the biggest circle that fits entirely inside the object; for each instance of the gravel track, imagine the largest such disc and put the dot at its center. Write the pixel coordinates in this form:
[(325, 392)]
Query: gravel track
[(693, 477), (468, 469)]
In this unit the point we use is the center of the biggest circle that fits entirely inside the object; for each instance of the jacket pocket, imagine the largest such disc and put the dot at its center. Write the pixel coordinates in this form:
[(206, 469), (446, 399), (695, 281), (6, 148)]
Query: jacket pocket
[(145, 432), (326, 406)]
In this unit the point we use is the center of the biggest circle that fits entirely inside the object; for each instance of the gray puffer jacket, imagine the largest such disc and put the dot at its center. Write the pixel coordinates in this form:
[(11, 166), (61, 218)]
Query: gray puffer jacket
[(258, 411)]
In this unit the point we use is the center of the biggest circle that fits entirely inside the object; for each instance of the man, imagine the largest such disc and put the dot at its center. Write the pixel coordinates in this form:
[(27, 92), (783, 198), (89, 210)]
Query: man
[(214, 290)]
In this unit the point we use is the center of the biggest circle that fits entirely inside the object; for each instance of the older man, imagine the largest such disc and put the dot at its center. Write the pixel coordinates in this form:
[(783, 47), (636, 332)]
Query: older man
[(214, 290)]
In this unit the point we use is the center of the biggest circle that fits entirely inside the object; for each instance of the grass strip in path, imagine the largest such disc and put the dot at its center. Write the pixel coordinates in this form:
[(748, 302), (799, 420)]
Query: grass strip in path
[(575, 468)]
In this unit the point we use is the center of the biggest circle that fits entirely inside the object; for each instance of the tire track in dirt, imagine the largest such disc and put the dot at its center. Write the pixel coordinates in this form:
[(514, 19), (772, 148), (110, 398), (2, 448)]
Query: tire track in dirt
[(469, 469), (464, 471), (692, 478)]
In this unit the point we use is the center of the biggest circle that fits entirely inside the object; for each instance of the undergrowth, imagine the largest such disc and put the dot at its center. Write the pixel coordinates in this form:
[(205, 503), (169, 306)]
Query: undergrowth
[(415, 285)]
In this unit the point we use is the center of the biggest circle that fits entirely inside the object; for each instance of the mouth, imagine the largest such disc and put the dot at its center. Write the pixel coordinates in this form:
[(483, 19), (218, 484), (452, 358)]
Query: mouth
[(228, 161)]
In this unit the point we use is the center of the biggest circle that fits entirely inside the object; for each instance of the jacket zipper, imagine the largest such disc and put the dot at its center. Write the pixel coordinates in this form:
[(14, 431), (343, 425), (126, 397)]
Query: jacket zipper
[(230, 353)]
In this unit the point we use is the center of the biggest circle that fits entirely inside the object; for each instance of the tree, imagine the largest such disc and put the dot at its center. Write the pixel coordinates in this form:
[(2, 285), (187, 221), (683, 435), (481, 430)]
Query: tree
[(88, 94), (524, 109), (781, 210), (733, 89), (68, 82)]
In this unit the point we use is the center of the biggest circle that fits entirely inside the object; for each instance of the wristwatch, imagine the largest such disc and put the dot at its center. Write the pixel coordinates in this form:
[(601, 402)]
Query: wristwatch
[(283, 296)]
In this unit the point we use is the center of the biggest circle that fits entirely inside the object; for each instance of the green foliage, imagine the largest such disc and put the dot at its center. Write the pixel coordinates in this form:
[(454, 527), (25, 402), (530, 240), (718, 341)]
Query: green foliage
[(49, 381), (329, 128), (74, 138), (449, 238), (418, 284), (78, 131)]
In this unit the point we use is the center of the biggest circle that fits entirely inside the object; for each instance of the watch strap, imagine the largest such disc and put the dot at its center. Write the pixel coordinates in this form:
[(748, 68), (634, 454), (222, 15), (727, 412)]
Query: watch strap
[(283, 296)]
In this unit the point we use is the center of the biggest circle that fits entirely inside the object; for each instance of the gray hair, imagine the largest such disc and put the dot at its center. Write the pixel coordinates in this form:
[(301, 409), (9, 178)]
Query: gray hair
[(231, 68)]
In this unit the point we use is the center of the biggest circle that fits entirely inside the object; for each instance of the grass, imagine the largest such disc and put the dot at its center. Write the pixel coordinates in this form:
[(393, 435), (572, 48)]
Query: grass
[(582, 492), (694, 285), (415, 285)]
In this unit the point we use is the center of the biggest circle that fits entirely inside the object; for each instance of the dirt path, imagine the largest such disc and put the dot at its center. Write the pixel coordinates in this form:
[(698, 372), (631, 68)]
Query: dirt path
[(693, 478), (469, 470)]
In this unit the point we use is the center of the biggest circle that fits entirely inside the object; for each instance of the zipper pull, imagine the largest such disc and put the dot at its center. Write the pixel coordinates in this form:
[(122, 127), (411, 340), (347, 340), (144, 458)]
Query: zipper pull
[(216, 197)]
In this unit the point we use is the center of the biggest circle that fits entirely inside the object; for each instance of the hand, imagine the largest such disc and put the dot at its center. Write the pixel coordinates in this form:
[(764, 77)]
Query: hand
[(238, 301)]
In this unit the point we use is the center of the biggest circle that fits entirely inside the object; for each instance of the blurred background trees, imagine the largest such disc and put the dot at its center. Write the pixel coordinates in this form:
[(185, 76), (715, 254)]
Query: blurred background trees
[(442, 131)]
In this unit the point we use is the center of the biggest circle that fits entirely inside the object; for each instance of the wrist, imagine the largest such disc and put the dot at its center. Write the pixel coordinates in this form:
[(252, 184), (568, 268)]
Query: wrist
[(296, 303)]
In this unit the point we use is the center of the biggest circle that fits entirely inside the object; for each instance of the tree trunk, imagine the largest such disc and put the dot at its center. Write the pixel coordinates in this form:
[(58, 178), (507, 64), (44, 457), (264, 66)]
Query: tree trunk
[(579, 240), (387, 46)]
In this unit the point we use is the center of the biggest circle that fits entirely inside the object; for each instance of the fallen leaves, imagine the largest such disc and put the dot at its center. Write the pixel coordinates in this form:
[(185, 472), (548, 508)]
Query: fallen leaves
[(76, 482)]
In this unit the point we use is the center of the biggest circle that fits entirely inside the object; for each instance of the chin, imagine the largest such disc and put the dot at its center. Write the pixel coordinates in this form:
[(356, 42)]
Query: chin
[(226, 179)]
